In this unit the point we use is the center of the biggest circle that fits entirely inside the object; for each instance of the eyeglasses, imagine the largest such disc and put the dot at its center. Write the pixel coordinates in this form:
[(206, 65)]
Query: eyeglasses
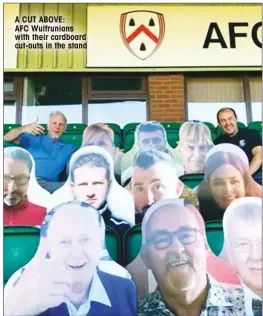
[(245, 246), (153, 140), (164, 239), (20, 180)]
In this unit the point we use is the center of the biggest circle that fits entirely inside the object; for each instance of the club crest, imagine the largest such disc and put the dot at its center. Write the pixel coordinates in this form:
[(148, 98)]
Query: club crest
[(142, 32)]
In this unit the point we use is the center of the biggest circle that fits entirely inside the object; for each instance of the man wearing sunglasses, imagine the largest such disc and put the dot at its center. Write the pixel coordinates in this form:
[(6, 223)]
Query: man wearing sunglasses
[(174, 249), (243, 246), (17, 209), (151, 135)]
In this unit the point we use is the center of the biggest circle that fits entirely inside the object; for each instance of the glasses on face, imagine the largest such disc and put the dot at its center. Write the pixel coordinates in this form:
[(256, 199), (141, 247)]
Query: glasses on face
[(20, 180), (244, 247), (164, 239), (152, 140)]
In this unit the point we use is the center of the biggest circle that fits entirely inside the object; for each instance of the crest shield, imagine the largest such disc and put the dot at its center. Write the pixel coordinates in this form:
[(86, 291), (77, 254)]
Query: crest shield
[(142, 32)]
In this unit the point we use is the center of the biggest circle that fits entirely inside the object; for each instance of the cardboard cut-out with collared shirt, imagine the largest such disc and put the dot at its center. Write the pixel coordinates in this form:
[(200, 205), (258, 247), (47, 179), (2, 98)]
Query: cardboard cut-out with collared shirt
[(140, 267), (72, 237), (227, 178), (242, 224), (35, 193)]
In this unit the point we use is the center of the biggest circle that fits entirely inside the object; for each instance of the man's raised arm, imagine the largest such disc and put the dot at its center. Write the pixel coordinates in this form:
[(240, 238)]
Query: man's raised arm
[(32, 128)]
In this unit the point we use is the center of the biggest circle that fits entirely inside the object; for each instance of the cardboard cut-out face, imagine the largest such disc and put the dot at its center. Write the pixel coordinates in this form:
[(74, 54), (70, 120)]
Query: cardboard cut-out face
[(100, 135), (194, 143), (151, 135), (243, 240), (20, 180), (154, 178), (227, 179), (175, 254)]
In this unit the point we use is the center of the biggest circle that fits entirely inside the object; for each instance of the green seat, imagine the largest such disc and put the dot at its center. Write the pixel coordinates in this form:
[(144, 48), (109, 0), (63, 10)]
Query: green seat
[(128, 135), (192, 179), (75, 139), (20, 245), (239, 124), (172, 132), (76, 128), (215, 236), (8, 144), (132, 241), (117, 134), (113, 243), (8, 127), (213, 130), (257, 125)]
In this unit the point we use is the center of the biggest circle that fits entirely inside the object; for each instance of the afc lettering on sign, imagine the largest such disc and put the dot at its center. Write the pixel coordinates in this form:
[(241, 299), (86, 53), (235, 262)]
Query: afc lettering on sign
[(214, 31)]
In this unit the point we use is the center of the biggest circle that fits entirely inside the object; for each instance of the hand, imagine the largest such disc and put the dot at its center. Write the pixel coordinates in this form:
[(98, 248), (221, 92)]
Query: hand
[(34, 128), (43, 285)]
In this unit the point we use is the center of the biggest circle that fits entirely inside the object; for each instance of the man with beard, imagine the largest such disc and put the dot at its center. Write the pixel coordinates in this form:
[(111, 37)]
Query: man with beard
[(174, 249), (154, 178), (243, 246), (17, 171), (49, 151), (68, 282), (247, 139)]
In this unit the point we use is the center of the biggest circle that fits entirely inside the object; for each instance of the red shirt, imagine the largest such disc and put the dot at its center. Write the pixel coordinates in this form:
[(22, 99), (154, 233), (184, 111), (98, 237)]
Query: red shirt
[(24, 213)]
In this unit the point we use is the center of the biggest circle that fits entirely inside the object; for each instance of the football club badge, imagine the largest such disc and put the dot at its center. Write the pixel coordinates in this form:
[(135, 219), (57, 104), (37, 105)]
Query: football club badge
[(242, 143), (142, 32)]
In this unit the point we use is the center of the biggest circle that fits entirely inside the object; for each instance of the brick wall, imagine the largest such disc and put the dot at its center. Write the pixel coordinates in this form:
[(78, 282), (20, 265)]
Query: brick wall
[(166, 97)]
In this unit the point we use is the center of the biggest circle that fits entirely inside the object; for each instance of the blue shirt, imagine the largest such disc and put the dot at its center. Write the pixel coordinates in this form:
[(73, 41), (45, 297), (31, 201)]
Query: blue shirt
[(50, 156)]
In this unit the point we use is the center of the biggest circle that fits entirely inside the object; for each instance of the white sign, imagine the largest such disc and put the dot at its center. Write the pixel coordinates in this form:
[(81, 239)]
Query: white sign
[(174, 35)]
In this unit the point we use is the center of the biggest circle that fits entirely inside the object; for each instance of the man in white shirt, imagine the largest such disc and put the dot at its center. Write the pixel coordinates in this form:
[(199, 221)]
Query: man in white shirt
[(242, 224), (63, 278)]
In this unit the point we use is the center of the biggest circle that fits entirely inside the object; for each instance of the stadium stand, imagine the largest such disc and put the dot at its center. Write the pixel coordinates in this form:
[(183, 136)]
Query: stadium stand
[(215, 236), (132, 241), (257, 125), (192, 180)]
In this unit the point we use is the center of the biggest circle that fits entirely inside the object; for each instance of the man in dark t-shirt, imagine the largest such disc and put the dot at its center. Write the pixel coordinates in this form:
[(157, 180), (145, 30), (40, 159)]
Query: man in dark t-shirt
[(248, 140)]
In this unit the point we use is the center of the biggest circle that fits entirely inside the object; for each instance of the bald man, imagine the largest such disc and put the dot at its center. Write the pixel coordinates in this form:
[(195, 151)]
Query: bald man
[(243, 247), (174, 249), (69, 281)]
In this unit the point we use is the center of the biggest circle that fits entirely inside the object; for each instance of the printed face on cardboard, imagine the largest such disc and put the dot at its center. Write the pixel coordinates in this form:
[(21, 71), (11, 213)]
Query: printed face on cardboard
[(20, 180), (154, 178), (227, 176), (243, 240), (73, 237), (194, 143), (175, 253), (151, 135), (174, 248)]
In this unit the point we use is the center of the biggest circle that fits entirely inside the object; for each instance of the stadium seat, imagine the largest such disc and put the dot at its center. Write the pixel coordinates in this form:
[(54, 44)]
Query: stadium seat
[(128, 135), (213, 130), (215, 235), (73, 134), (8, 127), (113, 244), (117, 134), (257, 125), (20, 245), (132, 241), (192, 179), (239, 124), (172, 132)]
